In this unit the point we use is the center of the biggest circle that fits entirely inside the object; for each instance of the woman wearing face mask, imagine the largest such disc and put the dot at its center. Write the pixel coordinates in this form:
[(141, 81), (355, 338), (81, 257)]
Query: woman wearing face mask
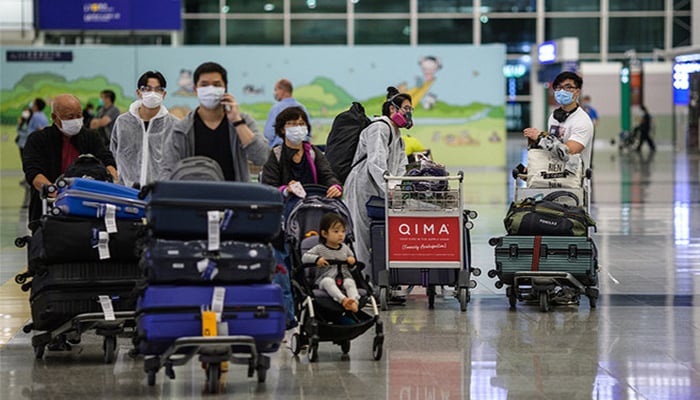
[(379, 149), (569, 122), (137, 137)]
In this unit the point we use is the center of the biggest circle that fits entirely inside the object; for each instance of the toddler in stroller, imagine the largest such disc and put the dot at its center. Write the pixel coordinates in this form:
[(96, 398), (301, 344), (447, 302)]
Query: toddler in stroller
[(321, 314)]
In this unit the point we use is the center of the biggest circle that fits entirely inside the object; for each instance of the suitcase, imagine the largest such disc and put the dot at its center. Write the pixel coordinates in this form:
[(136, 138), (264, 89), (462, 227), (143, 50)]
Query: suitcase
[(51, 308), (165, 313), (181, 209), (189, 262), (90, 198), (66, 239), (80, 275), (574, 254)]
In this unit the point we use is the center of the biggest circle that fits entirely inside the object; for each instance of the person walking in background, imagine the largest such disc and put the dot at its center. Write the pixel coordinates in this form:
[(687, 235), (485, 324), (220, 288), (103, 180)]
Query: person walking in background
[(107, 113), (137, 137), (21, 139), (88, 114), (38, 120), (588, 108), (645, 130), (284, 99)]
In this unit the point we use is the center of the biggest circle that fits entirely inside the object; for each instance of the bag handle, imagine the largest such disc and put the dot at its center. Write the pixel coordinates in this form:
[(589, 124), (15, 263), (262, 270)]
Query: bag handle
[(561, 193)]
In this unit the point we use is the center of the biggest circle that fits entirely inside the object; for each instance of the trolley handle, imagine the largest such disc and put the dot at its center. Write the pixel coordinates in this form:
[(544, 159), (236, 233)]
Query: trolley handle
[(459, 176)]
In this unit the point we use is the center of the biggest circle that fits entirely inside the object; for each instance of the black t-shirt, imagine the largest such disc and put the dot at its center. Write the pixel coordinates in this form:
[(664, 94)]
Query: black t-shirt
[(299, 172), (215, 144)]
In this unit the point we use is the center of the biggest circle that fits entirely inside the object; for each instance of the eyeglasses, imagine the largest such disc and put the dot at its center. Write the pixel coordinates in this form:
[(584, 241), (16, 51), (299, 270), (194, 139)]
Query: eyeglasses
[(147, 89), (568, 88)]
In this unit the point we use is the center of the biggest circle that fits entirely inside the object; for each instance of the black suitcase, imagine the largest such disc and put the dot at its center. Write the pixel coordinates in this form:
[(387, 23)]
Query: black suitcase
[(82, 275), (181, 209), (189, 262), (51, 308), (69, 239)]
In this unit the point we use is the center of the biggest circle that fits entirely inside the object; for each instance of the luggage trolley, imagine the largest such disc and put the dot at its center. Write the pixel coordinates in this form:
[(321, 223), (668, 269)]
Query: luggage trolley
[(548, 270), (427, 239)]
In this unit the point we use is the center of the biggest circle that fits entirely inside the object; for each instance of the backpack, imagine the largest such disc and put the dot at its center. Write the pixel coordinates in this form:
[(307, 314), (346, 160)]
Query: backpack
[(548, 217), (343, 139), (88, 166), (197, 168)]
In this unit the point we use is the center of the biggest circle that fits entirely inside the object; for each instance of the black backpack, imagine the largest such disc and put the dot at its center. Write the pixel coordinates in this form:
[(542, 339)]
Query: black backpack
[(197, 168), (88, 166), (343, 139)]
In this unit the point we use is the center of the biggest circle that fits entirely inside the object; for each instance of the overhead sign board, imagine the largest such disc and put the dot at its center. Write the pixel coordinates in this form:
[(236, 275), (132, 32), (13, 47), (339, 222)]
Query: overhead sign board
[(109, 15)]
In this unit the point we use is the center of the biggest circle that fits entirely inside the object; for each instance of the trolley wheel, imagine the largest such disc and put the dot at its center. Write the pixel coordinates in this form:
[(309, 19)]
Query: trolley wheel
[(345, 346), (493, 241), (492, 273), (313, 350), (463, 299), (476, 271), (20, 279), (21, 241), (61, 183), (262, 373), (469, 225), (472, 214), (151, 377), (295, 343), (39, 351), (384, 298), (109, 346), (378, 348), (544, 301), (512, 300), (213, 375), (55, 211), (431, 297), (498, 284)]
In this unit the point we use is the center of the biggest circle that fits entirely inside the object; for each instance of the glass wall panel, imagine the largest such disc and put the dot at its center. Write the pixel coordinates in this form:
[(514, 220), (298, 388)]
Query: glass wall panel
[(319, 6), (382, 6), (254, 32), (681, 31), (255, 6), (643, 34), (517, 34), (201, 6), (201, 31), (319, 32), (517, 74), (637, 5), (445, 6), (391, 31), (509, 5), (578, 5), (517, 116), (445, 31), (683, 5), (587, 30)]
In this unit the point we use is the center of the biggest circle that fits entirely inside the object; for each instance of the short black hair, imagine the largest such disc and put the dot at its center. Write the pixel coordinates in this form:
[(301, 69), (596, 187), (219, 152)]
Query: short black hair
[(208, 67), (40, 103), (290, 114), (578, 81), (393, 97), (143, 80), (110, 94), (329, 220)]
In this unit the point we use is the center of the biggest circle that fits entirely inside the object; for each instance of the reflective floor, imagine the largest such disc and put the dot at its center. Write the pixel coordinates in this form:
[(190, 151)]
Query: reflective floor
[(642, 342)]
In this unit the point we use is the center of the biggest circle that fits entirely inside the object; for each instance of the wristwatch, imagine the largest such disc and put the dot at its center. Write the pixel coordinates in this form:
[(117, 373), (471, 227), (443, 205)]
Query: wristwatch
[(239, 122)]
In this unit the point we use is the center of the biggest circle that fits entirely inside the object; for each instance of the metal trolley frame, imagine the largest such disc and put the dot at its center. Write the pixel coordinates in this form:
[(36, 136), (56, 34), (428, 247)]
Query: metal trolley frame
[(427, 231)]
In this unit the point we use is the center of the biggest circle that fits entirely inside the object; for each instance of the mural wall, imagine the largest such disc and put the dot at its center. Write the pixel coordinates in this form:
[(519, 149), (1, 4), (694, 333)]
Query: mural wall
[(457, 90)]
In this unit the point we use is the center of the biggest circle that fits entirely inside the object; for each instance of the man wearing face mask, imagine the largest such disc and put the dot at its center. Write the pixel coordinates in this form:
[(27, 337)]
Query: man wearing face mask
[(216, 129), (569, 122), (50, 151), (137, 138), (284, 99), (379, 149)]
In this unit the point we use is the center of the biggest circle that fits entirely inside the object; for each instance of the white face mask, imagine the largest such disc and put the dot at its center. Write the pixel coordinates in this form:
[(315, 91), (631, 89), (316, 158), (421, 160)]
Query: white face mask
[(295, 134), (26, 114), (151, 99), (71, 127), (210, 96)]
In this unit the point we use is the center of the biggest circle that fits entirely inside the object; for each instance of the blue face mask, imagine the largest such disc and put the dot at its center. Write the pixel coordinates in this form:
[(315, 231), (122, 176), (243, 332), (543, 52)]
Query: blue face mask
[(564, 97)]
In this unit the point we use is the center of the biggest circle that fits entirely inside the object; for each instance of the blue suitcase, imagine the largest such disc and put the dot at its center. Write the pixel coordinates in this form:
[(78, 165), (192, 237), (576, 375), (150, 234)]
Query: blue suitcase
[(166, 313), (189, 262), (180, 210), (89, 198)]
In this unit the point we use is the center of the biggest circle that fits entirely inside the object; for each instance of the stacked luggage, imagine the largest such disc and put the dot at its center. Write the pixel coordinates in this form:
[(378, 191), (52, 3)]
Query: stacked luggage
[(82, 264), (208, 265)]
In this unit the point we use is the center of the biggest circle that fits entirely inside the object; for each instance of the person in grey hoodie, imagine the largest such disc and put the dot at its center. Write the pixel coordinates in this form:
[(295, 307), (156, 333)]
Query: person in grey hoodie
[(216, 129), (137, 138)]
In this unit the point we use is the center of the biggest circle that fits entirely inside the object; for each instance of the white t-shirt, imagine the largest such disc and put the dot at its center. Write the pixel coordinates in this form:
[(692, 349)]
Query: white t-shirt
[(577, 127)]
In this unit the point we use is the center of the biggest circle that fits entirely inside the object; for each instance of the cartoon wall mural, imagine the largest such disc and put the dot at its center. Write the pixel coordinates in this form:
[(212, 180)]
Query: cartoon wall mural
[(457, 90)]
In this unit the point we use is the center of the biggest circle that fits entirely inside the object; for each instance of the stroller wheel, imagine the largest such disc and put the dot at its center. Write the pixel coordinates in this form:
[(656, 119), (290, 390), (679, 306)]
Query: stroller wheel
[(377, 348), (345, 346), (313, 351), (295, 343)]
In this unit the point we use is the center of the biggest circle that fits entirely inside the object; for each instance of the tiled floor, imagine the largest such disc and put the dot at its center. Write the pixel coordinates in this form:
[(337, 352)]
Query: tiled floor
[(641, 342)]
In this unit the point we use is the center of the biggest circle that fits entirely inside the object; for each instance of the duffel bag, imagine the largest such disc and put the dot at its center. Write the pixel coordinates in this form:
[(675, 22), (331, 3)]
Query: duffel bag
[(547, 217)]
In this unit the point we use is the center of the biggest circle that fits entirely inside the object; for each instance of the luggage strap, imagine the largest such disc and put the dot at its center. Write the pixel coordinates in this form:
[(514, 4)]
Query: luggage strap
[(536, 253)]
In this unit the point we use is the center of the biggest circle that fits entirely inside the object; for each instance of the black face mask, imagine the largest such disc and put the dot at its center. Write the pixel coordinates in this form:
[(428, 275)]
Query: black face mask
[(561, 115)]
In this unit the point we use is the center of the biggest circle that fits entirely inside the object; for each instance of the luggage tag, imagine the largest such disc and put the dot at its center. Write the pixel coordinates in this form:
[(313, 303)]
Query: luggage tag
[(213, 236), (107, 308), (207, 269), (110, 211), (217, 301), (100, 239)]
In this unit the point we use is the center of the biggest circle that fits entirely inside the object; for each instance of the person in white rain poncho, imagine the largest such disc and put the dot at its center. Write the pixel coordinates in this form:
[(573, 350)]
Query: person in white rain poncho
[(137, 137), (380, 149)]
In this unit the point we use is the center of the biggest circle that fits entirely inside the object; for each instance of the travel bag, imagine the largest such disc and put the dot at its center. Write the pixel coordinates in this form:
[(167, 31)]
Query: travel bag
[(547, 217), (574, 254), (97, 199), (216, 211), (70, 276), (189, 262), (165, 313)]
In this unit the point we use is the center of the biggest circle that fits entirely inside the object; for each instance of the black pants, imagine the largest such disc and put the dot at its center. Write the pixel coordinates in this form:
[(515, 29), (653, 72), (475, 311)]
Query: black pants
[(644, 137)]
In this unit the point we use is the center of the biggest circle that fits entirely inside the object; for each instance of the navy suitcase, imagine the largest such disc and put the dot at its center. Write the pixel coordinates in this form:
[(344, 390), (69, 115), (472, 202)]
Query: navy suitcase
[(166, 313), (189, 262), (181, 209), (89, 198), (70, 276)]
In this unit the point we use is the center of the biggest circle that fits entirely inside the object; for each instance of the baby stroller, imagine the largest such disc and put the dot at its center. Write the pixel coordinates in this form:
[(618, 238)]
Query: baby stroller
[(630, 140), (321, 319)]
